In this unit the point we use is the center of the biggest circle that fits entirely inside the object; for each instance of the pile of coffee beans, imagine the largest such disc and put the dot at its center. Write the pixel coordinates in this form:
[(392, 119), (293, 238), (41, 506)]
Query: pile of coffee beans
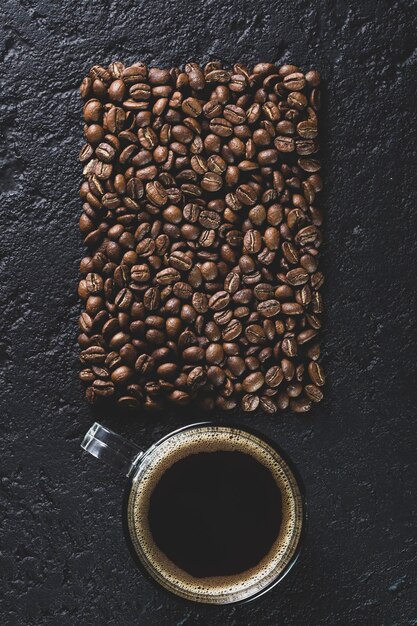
[(201, 283)]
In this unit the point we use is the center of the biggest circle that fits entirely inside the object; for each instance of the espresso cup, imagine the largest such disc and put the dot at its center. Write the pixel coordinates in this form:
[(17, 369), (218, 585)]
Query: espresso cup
[(212, 513)]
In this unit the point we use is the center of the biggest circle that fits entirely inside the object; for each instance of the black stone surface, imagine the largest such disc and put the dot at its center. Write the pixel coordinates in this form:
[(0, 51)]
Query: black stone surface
[(63, 559)]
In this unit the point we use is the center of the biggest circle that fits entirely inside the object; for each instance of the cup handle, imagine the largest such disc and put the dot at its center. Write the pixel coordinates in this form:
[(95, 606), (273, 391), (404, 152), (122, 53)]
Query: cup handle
[(111, 448)]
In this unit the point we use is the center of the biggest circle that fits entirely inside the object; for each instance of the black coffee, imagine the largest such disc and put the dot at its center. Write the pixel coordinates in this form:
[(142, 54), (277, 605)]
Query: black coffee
[(215, 513)]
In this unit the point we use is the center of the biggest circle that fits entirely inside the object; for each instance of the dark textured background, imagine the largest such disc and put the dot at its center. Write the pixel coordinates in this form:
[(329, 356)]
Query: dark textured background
[(63, 559)]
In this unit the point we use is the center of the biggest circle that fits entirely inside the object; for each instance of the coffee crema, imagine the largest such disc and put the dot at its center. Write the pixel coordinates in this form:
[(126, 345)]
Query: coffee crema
[(214, 514)]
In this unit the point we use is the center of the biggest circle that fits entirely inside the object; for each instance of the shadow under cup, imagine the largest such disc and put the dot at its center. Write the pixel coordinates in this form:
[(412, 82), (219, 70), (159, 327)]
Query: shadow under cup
[(201, 439)]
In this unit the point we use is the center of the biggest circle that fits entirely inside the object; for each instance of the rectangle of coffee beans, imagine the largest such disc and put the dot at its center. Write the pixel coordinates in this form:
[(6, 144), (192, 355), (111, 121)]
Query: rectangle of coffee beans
[(201, 282)]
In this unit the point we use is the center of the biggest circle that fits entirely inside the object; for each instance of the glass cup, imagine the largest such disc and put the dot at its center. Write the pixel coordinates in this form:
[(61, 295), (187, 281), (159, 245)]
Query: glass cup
[(143, 470)]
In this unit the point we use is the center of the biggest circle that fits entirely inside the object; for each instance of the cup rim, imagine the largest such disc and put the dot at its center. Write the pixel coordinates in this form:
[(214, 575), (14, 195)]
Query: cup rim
[(274, 446)]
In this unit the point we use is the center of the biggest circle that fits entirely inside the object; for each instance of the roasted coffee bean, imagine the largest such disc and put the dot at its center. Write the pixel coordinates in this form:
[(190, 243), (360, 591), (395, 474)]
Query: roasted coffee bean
[(232, 330), (232, 282), (146, 247), (214, 354), (246, 194), (202, 282), (268, 308), (93, 355), (274, 376), (122, 375), (183, 290), (300, 405), (211, 182), (314, 393), (200, 302), (249, 403), (306, 335), (209, 219), (103, 388), (255, 334), (194, 354), (289, 346), (292, 308), (197, 378), (221, 127), (216, 375), (140, 273), (144, 364), (268, 405), (234, 114), (297, 276), (253, 382), (167, 276), (264, 291), (315, 373), (236, 365), (156, 193), (151, 298), (223, 317), (219, 300), (252, 241)]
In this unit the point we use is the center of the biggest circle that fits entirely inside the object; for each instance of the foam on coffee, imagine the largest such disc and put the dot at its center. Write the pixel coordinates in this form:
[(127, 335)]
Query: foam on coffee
[(225, 589)]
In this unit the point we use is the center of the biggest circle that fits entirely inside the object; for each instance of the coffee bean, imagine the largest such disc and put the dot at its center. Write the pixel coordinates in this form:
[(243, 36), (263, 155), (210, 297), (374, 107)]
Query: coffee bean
[(219, 300), (221, 127), (183, 290), (232, 282), (121, 375), (289, 346), (223, 317), (306, 335), (146, 247), (284, 144), (144, 364), (216, 375), (250, 402), (194, 354), (292, 308), (217, 165), (297, 276), (252, 241), (167, 276), (156, 193), (196, 378), (314, 393), (202, 281), (268, 405), (232, 330), (140, 273), (234, 114), (300, 405), (151, 298), (236, 365), (294, 81), (94, 283), (316, 374), (200, 302), (274, 376), (211, 182), (271, 238), (209, 219), (253, 382), (268, 308), (214, 354), (93, 354), (255, 334), (246, 195), (264, 291), (192, 107)]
